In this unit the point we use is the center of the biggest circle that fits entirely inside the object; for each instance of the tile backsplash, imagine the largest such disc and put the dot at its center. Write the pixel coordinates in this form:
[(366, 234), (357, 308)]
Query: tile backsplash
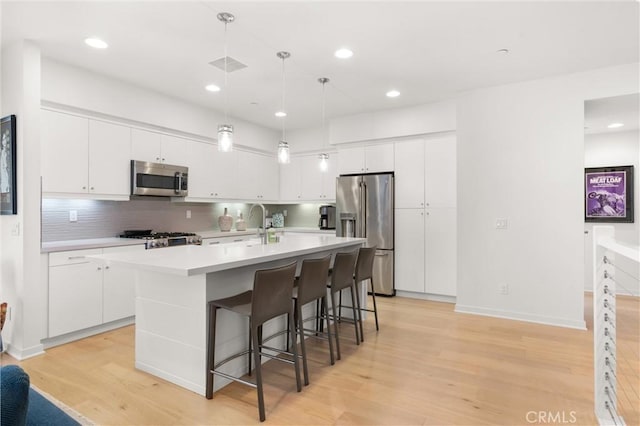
[(98, 219)]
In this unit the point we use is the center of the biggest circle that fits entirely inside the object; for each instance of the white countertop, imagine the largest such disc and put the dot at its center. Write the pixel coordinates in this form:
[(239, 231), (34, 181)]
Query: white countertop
[(89, 243), (194, 260)]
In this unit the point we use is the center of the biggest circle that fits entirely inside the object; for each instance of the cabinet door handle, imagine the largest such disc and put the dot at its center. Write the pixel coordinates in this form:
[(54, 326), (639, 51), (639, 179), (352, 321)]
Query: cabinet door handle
[(75, 257), (106, 267), (99, 268), (214, 242), (237, 241), (84, 187)]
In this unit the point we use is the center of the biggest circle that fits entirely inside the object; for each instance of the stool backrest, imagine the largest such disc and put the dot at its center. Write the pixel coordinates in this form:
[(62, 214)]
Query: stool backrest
[(343, 270), (272, 292), (364, 265), (312, 284)]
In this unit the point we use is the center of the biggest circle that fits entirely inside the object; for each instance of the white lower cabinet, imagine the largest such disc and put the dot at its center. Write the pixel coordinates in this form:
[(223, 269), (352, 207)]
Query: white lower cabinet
[(425, 251), (85, 292), (118, 288), (440, 251), (75, 291), (409, 250)]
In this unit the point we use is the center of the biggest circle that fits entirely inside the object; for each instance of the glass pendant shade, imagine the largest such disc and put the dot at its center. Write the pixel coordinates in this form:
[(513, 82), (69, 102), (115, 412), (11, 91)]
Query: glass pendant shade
[(283, 153), (324, 162), (225, 138)]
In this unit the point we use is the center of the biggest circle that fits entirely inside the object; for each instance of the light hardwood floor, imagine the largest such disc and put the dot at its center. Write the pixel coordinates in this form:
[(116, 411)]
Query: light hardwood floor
[(427, 365)]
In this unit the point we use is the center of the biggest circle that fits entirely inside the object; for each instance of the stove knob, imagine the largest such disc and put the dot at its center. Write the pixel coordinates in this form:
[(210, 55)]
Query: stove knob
[(165, 243), (151, 244)]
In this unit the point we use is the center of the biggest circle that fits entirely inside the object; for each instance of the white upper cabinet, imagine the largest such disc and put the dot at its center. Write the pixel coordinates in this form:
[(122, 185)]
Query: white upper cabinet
[(291, 180), (258, 177), (83, 156), (145, 146), (368, 159), (351, 160), (440, 171), (65, 153), (158, 148), (302, 179), (379, 158), (409, 174), (109, 158), (212, 174)]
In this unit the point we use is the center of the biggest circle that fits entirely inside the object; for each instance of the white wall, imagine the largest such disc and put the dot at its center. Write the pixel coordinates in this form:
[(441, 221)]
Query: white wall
[(614, 149), (521, 157), (75, 87), (394, 123), (21, 283)]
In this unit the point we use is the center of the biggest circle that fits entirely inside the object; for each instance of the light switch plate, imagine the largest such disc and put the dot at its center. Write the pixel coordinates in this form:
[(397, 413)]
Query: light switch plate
[(188, 214), (73, 215)]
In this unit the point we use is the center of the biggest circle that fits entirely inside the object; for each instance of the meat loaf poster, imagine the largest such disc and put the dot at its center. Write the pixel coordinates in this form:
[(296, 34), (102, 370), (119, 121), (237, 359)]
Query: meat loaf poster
[(608, 194)]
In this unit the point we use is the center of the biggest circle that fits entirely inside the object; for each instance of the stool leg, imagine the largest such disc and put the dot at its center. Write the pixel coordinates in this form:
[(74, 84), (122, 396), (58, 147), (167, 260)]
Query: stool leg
[(256, 356), (299, 323), (359, 309), (250, 348), (335, 323), (323, 303), (355, 310), (211, 348), (294, 347), (375, 308)]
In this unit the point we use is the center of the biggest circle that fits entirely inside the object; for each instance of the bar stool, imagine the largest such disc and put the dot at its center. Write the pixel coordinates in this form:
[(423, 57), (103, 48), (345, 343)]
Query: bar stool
[(312, 286), (342, 275), (364, 271), (270, 298)]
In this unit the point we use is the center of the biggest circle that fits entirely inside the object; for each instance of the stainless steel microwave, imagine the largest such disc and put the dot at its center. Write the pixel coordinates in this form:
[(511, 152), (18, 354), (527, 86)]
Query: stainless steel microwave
[(157, 179)]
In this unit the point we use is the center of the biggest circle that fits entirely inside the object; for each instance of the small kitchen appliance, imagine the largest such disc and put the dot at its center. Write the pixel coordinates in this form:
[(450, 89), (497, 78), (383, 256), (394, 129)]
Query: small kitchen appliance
[(327, 217), (159, 179), (163, 239)]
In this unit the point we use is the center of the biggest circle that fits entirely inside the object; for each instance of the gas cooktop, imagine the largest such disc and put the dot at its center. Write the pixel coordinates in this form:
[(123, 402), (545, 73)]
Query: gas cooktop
[(163, 239)]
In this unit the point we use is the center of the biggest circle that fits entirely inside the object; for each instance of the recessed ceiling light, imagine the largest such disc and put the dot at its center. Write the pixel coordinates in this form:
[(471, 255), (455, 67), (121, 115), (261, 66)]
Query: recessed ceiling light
[(343, 53), (393, 94), (615, 125), (96, 43), (212, 88), (502, 51), (281, 114)]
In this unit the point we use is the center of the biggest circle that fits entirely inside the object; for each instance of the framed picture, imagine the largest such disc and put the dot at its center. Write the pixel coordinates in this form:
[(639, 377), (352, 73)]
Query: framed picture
[(8, 158), (608, 194)]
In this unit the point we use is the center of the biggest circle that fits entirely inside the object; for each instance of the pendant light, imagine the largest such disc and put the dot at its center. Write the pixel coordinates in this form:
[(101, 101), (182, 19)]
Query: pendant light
[(283, 146), (324, 157), (225, 131)]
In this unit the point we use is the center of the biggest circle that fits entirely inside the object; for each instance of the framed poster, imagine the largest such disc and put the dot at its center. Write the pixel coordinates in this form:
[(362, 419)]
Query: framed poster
[(8, 158), (608, 194)]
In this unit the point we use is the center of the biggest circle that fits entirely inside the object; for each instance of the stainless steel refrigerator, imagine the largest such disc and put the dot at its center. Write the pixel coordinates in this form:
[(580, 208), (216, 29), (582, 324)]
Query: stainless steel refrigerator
[(364, 208)]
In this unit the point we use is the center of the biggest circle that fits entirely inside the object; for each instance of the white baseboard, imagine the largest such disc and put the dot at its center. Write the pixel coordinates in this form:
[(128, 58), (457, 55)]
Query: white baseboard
[(426, 296), (22, 354), (81, 334), (519, 316)]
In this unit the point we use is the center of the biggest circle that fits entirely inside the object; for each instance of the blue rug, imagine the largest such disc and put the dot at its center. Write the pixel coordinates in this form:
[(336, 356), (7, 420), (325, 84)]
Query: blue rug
[(42, 412)]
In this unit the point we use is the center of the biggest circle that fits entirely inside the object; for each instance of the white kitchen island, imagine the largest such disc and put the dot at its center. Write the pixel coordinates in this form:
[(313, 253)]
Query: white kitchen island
[(173, 286)]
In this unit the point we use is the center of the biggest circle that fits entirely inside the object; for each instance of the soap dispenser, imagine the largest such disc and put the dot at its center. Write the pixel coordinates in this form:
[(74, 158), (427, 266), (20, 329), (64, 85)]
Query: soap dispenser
[(241, 225)]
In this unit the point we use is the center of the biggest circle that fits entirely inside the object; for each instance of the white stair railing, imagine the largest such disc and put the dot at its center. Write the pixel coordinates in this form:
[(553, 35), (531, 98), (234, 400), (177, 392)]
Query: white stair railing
[(615, 367)]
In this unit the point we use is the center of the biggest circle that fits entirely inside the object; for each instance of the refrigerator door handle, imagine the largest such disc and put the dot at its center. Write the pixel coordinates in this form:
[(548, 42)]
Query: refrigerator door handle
[(382, 253), (363, 209)]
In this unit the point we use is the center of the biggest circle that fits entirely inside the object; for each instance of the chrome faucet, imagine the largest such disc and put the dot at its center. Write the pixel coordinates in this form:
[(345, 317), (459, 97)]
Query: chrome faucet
[(264, 221)]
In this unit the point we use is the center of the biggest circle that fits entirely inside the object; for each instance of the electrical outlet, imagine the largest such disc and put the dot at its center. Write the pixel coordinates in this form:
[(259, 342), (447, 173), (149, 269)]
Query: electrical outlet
[(284, 212), (15, 230), (188, 214), (73, 215), (504, 289), (502, 223)]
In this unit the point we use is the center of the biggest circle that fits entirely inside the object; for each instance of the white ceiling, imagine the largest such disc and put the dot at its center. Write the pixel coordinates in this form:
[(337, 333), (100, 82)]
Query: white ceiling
[(599, 113), (426, 50)]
